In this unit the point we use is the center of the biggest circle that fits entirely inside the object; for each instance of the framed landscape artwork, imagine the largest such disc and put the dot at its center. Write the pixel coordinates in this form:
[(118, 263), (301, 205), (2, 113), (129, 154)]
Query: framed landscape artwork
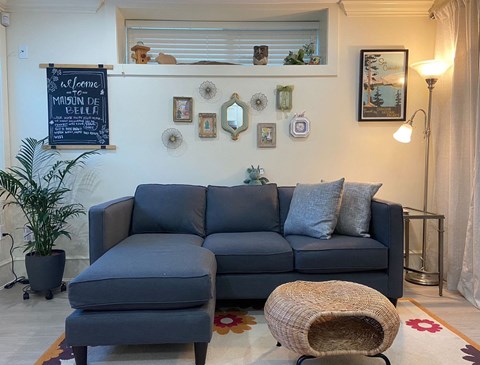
[(383, 85)]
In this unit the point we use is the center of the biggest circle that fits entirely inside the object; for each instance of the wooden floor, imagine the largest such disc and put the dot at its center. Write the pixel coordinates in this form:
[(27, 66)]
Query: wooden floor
[(29, 327)]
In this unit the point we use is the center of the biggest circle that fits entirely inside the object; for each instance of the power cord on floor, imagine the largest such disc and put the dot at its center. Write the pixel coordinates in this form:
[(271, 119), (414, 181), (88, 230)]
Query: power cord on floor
[(18, 279)]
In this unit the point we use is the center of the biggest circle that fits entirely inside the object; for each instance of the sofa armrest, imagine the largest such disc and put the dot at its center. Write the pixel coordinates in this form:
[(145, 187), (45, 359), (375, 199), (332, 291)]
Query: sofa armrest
[(386, 226), (109, 223)]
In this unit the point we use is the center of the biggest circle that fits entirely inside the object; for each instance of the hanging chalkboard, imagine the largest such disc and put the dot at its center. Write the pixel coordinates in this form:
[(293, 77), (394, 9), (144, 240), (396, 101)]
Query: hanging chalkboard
[(77, 106)]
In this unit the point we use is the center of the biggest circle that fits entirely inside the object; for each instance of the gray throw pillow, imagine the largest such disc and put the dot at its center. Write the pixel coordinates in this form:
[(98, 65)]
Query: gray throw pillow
[(355, 210), (314, 209)]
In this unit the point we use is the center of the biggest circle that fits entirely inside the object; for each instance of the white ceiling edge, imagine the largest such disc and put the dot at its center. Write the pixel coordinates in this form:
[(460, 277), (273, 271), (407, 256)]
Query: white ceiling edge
[(350, 7), (92, 6), (144, 3), (386, 7), (56, 6)]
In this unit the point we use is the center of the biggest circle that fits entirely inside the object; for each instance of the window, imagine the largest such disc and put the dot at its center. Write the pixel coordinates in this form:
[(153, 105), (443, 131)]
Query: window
[(230, 42)]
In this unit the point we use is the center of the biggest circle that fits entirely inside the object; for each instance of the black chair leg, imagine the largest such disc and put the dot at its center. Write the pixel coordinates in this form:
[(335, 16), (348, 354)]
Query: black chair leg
[(80, 354), (200, 349), (382, 356), (304, 357)]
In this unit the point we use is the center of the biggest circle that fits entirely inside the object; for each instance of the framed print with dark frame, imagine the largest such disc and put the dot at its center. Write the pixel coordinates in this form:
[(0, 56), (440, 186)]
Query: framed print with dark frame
[(182, 109), (383, 85), (266, 135), (207, 125)]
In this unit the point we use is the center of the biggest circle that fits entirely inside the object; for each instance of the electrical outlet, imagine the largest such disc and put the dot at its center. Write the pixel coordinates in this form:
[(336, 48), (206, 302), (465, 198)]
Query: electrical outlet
[(2, 231)]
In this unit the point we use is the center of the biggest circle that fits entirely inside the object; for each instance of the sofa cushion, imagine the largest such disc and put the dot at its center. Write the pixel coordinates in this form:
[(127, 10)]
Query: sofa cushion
[(143, 272), (355, 210), (148, 241), (172, 208), (244, 208), (314, 209), (285, 194), (339, 254), (250, 252)]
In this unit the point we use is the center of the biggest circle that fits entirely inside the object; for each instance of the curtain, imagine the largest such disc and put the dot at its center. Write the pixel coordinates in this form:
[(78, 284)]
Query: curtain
[(457, 143)]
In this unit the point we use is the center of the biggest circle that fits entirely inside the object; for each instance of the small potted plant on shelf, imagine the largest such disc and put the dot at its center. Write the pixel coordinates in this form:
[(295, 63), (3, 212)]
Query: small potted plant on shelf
[(38, 186), (309, 49)]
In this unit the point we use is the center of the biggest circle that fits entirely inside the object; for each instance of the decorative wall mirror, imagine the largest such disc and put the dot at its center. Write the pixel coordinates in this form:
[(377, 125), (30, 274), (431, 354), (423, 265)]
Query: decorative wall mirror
[(235, 116)]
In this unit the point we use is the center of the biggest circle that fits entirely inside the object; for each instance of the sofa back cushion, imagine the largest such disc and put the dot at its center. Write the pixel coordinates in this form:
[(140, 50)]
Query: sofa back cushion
[(245, 208), (171, 208), (285, 194)]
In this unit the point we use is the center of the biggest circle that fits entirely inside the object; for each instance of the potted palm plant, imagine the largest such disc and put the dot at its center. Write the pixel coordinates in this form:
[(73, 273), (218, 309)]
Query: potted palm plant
[(38, 186)]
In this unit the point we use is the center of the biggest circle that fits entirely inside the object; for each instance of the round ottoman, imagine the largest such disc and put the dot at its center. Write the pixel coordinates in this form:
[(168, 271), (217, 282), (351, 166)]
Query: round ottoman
[(318, 319)]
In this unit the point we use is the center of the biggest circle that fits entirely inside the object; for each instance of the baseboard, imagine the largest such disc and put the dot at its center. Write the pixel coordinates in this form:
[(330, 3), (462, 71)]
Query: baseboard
[(5, 272), (73, 267)]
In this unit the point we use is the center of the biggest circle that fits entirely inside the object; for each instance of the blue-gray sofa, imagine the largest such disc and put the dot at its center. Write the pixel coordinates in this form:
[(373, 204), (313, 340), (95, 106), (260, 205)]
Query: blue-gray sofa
[(161, 258)]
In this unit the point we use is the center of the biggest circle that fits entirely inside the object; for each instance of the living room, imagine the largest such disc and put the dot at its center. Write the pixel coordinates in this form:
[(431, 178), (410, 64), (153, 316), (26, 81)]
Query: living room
[(140, 99)]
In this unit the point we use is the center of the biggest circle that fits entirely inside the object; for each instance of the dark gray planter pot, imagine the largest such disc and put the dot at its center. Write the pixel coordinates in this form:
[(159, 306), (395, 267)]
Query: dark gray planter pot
[(45, 272)]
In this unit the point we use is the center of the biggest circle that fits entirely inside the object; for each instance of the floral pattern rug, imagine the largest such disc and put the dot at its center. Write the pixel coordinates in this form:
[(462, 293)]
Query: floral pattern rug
[(241, 337)]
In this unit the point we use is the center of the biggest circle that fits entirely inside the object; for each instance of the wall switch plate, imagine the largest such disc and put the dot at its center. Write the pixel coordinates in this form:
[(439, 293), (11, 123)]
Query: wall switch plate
[(23, 51)]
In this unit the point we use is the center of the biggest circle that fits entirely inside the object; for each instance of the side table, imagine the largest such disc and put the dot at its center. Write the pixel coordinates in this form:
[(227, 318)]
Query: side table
[(422, 276)]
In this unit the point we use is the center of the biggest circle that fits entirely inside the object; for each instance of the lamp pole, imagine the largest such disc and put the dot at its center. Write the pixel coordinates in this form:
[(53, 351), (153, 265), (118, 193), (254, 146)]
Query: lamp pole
[(431, 84), (430, 70)]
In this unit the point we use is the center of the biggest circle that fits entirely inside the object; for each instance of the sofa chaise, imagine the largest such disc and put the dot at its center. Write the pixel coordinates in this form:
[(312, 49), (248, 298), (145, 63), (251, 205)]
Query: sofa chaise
[(160, 259)]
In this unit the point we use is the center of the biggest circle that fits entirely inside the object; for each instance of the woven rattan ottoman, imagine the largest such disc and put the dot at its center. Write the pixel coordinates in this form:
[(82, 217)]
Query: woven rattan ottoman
[(318, 319)]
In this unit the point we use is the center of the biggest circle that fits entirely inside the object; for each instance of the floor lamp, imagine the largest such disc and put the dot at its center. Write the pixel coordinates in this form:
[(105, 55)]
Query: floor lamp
[(430, 70)]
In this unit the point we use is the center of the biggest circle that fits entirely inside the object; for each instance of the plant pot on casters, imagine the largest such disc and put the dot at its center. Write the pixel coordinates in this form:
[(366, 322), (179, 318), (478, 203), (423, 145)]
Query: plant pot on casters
[(39, 187), (45, 272)]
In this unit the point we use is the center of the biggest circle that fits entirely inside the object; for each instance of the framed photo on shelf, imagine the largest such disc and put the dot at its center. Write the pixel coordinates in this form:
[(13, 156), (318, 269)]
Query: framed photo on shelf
[(182, 109), (266, 135), (207, 125), (383, 85)]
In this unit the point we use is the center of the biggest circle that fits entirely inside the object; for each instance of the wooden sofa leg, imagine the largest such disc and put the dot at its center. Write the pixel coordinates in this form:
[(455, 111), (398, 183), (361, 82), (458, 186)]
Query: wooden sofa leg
[(200, 352), (80, 354)]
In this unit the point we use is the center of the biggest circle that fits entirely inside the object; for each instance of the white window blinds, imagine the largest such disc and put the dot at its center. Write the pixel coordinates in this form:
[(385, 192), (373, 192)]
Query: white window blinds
[(231, 42)]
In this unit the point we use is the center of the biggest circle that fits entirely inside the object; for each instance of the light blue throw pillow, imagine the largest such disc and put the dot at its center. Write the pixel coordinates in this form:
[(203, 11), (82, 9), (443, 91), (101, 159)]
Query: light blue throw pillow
[(314, 209), (355, 210)]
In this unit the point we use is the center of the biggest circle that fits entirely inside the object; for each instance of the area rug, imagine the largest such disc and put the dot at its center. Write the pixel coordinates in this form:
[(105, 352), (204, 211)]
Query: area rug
[(241, 337)]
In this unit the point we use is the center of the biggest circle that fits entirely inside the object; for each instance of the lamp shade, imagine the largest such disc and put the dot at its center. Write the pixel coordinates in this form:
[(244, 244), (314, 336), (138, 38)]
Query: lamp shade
[(431, 69), (404, 133)]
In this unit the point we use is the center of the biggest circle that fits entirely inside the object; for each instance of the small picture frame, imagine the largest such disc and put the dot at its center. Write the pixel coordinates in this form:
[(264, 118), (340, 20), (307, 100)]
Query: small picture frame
[(266, 135), (207, 125), (284, 97), (383, 85), (299, 127), (182, 109), (314, 60)]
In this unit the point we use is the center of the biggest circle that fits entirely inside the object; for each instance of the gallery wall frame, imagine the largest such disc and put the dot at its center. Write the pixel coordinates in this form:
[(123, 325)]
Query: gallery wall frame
[(383, 85), (182, 109), (299, 126), (207, 125), (266, 135)]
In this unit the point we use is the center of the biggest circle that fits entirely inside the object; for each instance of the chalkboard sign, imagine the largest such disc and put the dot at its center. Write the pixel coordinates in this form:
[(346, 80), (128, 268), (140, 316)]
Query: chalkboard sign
[(77, 106)]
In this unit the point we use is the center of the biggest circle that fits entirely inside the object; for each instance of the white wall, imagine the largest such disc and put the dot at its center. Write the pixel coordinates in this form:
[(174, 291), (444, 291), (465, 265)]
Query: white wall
[(141, 108), (4, 249), (3, 95)]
